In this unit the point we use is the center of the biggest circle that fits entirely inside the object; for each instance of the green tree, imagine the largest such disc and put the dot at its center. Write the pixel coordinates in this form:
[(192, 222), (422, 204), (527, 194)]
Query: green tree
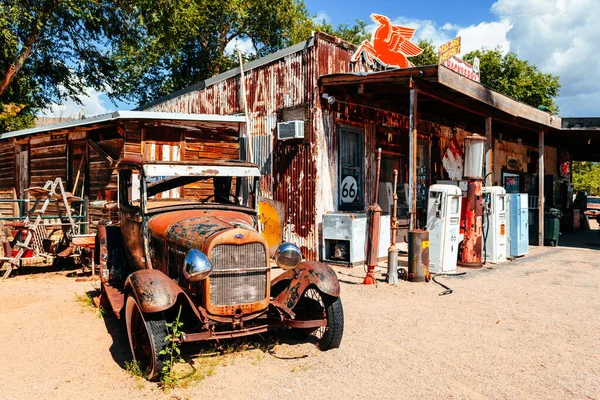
[(429, 56), (356, 33), (51, 50), (516, 78), (586, 177), (171, 45)]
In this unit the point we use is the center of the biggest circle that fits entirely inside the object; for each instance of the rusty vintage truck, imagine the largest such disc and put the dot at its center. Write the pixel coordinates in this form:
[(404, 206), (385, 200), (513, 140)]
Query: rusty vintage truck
[(203, 256)]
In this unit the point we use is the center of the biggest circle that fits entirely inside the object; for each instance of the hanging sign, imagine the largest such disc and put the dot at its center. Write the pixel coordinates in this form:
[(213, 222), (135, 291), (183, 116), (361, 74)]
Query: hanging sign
[(390, 45), (462, 67), (448, 50)]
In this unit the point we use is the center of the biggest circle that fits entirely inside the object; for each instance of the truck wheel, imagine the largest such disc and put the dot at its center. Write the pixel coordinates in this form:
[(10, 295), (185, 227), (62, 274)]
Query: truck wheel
[(146, 333), (314, 305)]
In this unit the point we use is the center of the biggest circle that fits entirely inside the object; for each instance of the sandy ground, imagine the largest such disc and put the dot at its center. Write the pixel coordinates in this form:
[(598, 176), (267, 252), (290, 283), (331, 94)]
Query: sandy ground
[(520, 330)]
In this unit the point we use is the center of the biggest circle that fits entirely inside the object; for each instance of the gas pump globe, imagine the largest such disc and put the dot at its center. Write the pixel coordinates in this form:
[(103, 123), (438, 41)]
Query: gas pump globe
[(474, 152), (470, 253)]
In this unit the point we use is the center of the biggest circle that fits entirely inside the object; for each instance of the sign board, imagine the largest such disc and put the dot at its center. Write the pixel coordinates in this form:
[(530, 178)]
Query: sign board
[(462, 67), (448, 50), (390, 45), (349, 189), (453, 160)]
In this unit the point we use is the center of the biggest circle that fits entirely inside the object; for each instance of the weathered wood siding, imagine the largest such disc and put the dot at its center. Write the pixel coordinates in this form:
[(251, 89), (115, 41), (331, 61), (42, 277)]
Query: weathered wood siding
[(47, 158), (7, 164)]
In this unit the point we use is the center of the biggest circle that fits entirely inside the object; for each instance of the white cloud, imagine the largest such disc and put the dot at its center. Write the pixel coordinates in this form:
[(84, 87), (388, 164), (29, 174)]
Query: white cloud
[(244, 44), (322, 16), (487, 34), (92, 104), (560, 37), (425, 29)]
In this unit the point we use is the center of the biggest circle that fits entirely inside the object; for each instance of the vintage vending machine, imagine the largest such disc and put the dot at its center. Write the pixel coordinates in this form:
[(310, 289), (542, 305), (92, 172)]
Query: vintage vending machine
[(495, 232), (519, 224), (443, 224)]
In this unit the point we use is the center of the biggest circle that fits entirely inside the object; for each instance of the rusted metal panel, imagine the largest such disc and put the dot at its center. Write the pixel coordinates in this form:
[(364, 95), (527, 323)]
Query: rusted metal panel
[(300, 278), (286, 82)]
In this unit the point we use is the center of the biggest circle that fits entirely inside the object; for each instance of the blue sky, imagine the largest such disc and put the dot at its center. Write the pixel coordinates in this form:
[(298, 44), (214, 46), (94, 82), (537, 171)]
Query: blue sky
[(559, 36), (346, 11)]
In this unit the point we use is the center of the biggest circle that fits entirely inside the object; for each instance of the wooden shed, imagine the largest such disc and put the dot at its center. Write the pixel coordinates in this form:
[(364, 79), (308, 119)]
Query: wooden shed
[(84, 153)]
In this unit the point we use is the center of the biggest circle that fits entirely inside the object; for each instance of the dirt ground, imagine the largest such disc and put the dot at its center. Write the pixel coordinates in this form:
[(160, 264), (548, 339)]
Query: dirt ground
[(524, 329)]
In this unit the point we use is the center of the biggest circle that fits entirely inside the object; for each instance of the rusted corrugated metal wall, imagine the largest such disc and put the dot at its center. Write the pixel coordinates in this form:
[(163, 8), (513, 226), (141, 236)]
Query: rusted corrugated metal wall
[(289, 169)]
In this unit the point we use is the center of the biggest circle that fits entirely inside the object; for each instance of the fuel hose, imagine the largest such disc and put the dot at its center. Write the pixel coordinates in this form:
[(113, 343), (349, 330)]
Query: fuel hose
[(448, 289)]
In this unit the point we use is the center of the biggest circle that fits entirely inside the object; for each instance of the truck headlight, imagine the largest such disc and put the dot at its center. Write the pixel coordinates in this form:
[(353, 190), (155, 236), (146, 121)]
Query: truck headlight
[(196, 266), (288, 256)]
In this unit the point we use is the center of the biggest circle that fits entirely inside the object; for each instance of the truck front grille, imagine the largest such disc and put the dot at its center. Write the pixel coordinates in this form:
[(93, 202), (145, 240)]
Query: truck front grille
[(239, 274)]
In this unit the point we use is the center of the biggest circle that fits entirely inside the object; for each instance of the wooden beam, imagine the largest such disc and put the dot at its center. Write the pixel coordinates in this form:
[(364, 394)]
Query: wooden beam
[(447, 97), (541, 202), (412, 160), (489, 159), (487, 96)]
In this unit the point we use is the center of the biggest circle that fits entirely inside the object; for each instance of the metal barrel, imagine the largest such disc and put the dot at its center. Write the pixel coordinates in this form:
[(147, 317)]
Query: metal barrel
[(418, 256)]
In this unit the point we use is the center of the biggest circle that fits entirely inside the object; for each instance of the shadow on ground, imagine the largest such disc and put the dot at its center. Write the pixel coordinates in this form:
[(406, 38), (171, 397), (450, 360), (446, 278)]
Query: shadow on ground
[(265, 342)]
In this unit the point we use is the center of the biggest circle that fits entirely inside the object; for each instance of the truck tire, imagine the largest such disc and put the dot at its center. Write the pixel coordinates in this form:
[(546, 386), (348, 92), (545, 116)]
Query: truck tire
[(315, 305), (146, 334)]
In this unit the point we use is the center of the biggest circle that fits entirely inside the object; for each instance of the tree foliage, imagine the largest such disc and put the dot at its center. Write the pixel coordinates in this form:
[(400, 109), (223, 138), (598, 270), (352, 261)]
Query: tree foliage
[(50, 50), (429, 56), (516, 78), (171, 45), (586, 177), (356, 33)]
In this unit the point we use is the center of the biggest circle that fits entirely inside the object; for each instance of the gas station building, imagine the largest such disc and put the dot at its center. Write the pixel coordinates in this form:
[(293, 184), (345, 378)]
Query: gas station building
[(319, 168)]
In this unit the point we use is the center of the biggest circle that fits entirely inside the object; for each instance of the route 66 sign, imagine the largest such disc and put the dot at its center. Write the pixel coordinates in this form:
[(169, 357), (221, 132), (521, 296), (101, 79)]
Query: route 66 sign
[(349, 189)]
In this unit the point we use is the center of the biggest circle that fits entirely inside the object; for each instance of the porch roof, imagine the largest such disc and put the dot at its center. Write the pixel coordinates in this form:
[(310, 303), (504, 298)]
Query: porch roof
[(444, 92), (229, 120)]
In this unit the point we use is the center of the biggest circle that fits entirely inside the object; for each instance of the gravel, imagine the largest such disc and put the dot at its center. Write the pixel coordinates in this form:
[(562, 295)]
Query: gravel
[(523, 329)]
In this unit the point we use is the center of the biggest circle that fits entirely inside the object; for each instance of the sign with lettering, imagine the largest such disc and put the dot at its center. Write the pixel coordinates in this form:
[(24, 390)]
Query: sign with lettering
[(390, 45), (448, 50), (462, 67)]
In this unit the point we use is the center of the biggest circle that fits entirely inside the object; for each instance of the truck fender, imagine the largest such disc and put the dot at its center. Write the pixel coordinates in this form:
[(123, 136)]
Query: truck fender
[(291, 285), (153, 290)]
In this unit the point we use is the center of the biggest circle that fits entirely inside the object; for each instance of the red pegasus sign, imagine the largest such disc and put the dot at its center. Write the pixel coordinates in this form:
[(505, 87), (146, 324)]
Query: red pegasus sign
[(390, 45)]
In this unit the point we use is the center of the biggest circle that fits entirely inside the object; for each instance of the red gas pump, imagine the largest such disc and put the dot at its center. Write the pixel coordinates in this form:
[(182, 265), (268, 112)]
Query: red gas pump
[(471, 248)]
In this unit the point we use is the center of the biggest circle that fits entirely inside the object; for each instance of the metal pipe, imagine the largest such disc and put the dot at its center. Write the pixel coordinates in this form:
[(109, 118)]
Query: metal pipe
[(412, 163), (373, 231), (392, 274)]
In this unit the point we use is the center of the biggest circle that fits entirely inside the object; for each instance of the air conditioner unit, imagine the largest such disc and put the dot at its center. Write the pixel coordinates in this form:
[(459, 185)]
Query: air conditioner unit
[(290, 130)]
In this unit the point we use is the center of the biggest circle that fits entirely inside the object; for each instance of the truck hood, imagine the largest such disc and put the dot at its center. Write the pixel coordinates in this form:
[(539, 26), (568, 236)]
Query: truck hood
[(194, 229)]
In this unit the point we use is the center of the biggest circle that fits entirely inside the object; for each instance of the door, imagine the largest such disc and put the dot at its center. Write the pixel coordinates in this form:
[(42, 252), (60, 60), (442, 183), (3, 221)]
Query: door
[(351, 169), (131, 218)]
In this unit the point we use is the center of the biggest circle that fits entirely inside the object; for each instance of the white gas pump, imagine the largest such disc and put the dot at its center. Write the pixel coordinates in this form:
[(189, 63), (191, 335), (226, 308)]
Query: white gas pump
[(443, 219), (495, 229)]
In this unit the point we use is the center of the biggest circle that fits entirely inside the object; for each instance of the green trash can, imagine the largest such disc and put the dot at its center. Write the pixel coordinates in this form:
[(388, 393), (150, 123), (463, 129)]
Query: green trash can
[(551, 226)]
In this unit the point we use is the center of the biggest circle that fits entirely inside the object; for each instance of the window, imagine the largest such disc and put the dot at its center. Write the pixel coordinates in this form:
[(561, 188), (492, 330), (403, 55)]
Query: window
[(130, 189), (351, 169), (454, 201)]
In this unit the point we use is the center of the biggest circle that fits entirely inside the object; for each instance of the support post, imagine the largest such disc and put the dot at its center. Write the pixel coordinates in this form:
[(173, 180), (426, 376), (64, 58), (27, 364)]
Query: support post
[(489, 157), (541, 173), (412, 159)]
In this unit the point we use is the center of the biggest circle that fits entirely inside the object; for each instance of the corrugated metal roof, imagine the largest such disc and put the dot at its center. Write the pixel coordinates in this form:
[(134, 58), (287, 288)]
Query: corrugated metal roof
[(233, 72), (120, 115)]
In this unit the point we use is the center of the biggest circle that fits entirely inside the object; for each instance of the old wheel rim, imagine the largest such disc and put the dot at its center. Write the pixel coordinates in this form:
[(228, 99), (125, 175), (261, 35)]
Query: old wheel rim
[(139, 339), (312, 307)]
